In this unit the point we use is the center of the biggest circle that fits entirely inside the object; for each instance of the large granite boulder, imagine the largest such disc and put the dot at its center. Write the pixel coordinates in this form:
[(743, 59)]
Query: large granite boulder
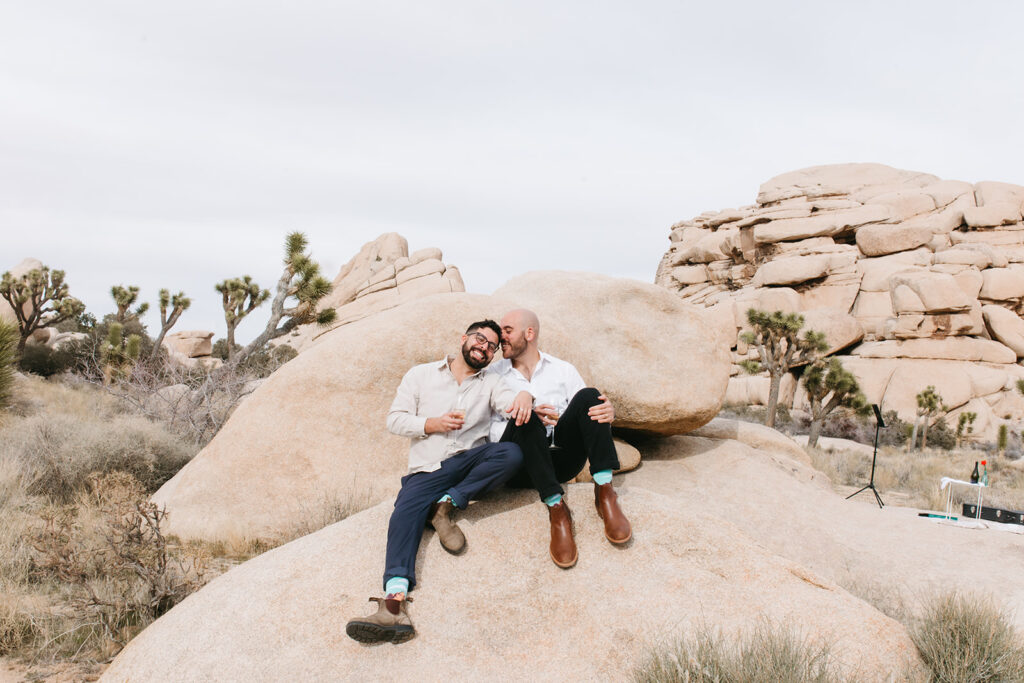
[(637, 343), (312, 437), (730, 535)]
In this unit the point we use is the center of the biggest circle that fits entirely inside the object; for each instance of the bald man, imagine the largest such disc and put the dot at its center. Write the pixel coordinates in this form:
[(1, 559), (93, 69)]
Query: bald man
[(570, 424)]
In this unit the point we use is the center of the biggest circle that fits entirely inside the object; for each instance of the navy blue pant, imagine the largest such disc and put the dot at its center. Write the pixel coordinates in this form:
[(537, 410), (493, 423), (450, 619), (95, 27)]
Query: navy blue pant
[(576, 438), (465, 477)]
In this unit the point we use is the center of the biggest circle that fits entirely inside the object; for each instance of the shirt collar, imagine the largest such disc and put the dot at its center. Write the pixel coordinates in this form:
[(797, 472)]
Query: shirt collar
[(443, 365)]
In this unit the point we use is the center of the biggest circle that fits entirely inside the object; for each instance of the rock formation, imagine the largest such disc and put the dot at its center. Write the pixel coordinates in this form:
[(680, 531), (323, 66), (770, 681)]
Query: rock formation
[(381, 276), (313, 433), (191, 348), (915, 280), (729, 534)]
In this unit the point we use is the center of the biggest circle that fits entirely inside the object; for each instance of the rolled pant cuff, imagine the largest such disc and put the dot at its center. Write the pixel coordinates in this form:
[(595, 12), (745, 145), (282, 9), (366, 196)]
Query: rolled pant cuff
[(460, 500), (398, 571)]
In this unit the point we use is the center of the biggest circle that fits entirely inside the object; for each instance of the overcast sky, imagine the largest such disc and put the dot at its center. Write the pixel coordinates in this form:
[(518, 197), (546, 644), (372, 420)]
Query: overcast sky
[(175, 144)]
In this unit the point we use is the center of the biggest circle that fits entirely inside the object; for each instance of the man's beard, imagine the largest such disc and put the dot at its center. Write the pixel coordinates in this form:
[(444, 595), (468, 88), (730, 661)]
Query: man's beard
[(510, 349), (472, 362)]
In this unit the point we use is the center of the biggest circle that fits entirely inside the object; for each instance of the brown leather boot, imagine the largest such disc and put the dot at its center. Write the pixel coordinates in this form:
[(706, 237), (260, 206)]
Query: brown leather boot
[(563, 545), (391, 623), (451, 536), (616, 526)]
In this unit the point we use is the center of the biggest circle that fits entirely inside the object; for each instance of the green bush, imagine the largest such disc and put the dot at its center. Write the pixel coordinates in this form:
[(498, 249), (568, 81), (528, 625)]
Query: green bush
[(44, 361), (55, 454), (767, 653), (941, 436), (968, 639)]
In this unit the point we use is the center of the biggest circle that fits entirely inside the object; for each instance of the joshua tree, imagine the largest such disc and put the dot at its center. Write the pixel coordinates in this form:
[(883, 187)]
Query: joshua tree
[(39, 299), (8, 356), (929, 404), (178, 304), (780, 346), (829, 385), (964, 422), (239, 297), (119, 354), (302, 281), (124, 297)]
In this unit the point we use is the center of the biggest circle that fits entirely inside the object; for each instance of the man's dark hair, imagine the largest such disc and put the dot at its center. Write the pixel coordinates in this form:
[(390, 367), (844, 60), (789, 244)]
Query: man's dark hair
[(489, 324)]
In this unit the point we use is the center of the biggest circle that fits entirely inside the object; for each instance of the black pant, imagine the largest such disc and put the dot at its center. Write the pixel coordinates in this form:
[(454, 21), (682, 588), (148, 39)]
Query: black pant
[(464, 477), (576, 438)]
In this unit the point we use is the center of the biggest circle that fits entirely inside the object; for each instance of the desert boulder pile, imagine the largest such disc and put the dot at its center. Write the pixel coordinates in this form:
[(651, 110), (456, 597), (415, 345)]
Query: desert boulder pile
[(914, 279), (381, 276)]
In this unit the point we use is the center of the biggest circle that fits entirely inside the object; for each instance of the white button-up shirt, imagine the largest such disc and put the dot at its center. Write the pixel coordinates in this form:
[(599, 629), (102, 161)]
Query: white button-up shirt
[(554, 382), (431, 390)]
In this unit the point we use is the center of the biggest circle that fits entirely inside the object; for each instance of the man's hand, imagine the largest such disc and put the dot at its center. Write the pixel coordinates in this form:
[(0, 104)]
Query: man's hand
[(547, 413), (449, 422), (602, 412), (521, 407)]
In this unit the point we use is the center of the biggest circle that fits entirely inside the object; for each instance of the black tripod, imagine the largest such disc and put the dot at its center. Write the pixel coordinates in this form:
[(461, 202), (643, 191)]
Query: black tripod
[(879, 423)]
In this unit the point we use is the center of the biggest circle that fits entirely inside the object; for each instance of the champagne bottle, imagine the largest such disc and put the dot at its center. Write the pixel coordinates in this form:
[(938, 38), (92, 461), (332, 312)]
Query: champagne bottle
[(974, 475)]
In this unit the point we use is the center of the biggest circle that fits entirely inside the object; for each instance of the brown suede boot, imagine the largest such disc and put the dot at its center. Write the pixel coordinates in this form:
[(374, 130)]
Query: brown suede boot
[(451, 536), (563, 545), (616, 526), (391, 623)]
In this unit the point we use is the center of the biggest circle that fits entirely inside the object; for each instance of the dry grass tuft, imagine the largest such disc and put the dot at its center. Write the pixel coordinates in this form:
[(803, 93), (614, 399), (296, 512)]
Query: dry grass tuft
[(768, 653), (55, 453), (968, 639)]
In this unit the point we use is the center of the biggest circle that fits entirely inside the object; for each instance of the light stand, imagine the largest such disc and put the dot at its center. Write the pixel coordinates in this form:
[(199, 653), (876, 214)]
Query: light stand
[(879, 423)]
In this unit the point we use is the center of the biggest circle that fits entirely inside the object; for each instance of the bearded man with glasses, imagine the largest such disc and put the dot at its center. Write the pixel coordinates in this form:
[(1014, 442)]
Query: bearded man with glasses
[(444, 408)]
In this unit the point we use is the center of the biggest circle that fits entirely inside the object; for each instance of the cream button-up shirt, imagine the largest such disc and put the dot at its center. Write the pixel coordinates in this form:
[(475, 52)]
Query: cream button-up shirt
[(431, 390), (554, 382)]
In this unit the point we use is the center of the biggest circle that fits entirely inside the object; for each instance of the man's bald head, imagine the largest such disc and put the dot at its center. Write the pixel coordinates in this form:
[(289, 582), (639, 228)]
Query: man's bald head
[(520, 330)]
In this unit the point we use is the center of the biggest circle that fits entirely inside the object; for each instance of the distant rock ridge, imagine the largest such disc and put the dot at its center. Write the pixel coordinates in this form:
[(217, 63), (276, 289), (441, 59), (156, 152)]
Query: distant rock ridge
[(920, 280)]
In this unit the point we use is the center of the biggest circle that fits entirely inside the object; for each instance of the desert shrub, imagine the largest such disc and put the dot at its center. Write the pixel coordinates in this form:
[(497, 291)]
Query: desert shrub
[(767, 653), (44, 361), (55, 453), (261, 363), (941, 436), (968, 638), (109, 554)]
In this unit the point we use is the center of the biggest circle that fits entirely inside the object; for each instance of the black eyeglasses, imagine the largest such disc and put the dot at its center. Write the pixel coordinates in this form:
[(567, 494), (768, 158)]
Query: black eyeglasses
[(478, 338)]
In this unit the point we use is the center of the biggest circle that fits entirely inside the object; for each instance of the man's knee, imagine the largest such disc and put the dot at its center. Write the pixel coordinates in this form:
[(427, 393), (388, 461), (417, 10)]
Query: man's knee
[(588, 396), (508, 454)]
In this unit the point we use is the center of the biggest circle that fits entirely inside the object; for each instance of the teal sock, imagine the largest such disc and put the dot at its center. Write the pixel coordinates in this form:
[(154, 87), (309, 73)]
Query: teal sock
[(603, 477), (396, 585), (553, 500), (446, 499)]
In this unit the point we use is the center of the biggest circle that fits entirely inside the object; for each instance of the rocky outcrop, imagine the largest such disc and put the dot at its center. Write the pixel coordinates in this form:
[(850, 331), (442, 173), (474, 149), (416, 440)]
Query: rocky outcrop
[(889, 264), (772, 542), (192, 348), (382, 275), (313, 433)]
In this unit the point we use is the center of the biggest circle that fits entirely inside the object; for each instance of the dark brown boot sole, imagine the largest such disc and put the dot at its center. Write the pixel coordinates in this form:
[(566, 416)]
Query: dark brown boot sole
[(368, 632)]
